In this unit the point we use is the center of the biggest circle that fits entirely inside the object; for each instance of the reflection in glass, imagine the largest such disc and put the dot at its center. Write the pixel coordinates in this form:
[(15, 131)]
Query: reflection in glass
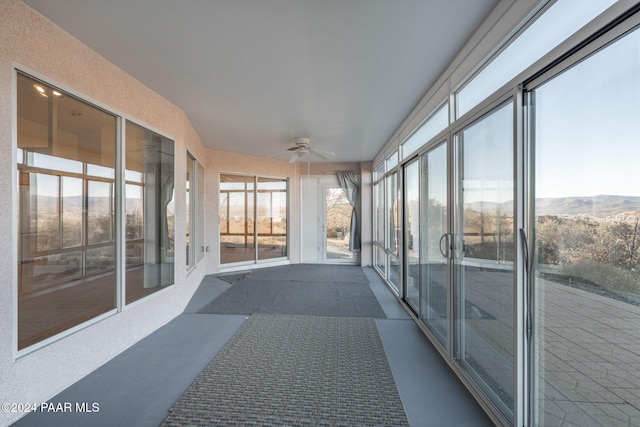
[(391, 204), (393, 275), (189, 200), (433, 286), (72, 202), (393, 229), (271, 210), (484, 255), (587, 234), (150, 213), (65, 220), (378, 197), (237, 219), (199, 214), (100, 214), (194, 211), (45, 189), (412, 233), (381, 260)]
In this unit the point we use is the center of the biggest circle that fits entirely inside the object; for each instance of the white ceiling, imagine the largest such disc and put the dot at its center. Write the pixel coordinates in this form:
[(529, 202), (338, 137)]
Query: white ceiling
[(253, 74)]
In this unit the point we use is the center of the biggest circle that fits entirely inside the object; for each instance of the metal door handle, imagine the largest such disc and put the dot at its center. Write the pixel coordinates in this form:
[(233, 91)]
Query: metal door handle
[(446, 253)]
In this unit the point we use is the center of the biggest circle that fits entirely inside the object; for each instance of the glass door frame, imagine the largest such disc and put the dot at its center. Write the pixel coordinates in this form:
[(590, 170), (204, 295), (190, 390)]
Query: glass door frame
[(323, 229), (446, 141), (520, 319), (528, 154), (415, 160)]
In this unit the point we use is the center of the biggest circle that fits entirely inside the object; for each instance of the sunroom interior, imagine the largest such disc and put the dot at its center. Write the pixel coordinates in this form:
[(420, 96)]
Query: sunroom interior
[(481, 163)]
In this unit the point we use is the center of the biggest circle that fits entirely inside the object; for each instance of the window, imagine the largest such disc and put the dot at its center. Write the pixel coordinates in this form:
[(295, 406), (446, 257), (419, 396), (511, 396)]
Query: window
[(393, 212), (195, 212), (392, 160), (253, 218), (67, 229), (587, 216), (378, 172), (66, 213), (423, 134), (271, 218), (150, 212), (378, 200), (553, 27)]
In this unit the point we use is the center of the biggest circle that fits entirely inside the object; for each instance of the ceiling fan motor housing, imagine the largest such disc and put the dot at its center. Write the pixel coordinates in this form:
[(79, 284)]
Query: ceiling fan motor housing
[(302, 141)]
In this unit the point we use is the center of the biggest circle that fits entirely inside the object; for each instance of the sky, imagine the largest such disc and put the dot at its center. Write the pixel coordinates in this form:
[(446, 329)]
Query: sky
[(588, 126)]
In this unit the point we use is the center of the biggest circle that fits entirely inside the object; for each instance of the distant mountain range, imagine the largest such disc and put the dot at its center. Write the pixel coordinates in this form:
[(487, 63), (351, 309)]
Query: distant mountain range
[(569, 205), (74, 203), (593, 204)]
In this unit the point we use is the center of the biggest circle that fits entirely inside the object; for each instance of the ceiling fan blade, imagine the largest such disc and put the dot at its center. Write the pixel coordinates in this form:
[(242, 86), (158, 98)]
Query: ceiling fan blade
[(320, 155), (295, 148), (321, 151), (294, 158)]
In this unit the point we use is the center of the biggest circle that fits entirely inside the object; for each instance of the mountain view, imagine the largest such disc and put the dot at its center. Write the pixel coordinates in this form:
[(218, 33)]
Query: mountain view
[(601, 205)]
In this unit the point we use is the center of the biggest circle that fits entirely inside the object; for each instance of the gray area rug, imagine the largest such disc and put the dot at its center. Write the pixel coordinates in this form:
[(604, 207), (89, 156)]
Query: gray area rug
[(303, 289), (285, 370)]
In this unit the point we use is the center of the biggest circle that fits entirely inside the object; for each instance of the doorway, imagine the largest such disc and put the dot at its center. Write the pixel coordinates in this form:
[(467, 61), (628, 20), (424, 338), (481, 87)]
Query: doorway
[(336, 223)]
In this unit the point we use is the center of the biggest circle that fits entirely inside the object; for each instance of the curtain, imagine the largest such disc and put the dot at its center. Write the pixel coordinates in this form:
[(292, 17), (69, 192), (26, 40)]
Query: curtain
[(350, 184)]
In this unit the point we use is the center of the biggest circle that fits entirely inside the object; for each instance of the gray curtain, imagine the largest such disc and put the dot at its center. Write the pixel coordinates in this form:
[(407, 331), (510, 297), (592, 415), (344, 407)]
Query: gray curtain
[(350, 184)]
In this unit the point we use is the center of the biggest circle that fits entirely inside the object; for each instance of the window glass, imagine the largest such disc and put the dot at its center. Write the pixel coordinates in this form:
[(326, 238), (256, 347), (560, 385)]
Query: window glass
[(72, 198), (587, 234), (430, 128), (53, 163), (393, 210), (392, 160), (150, 213), (484, 254), (378, 194), (199, 228), (434, 218), (100, 171), (100, 212), (189, 211), (412, 233), (66, 246), (378, 172), (271, 207), (381, 260), (247, 214), (558, 23)]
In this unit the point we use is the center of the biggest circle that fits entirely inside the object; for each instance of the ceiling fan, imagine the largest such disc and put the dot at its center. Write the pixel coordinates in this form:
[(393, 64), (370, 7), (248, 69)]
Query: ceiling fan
[(303, 148)]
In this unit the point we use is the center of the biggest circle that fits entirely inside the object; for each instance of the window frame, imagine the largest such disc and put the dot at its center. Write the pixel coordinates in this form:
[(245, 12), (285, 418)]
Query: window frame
[(118, 183)]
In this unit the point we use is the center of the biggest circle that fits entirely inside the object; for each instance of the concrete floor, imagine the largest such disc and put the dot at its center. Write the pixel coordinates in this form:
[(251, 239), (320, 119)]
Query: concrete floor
[(139, 386)]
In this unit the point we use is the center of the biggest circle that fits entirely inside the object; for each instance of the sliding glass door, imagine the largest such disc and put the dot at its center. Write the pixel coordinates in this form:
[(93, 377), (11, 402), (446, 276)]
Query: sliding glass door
[(412, 234), (435, 244), (484, 255), (587, 237)]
